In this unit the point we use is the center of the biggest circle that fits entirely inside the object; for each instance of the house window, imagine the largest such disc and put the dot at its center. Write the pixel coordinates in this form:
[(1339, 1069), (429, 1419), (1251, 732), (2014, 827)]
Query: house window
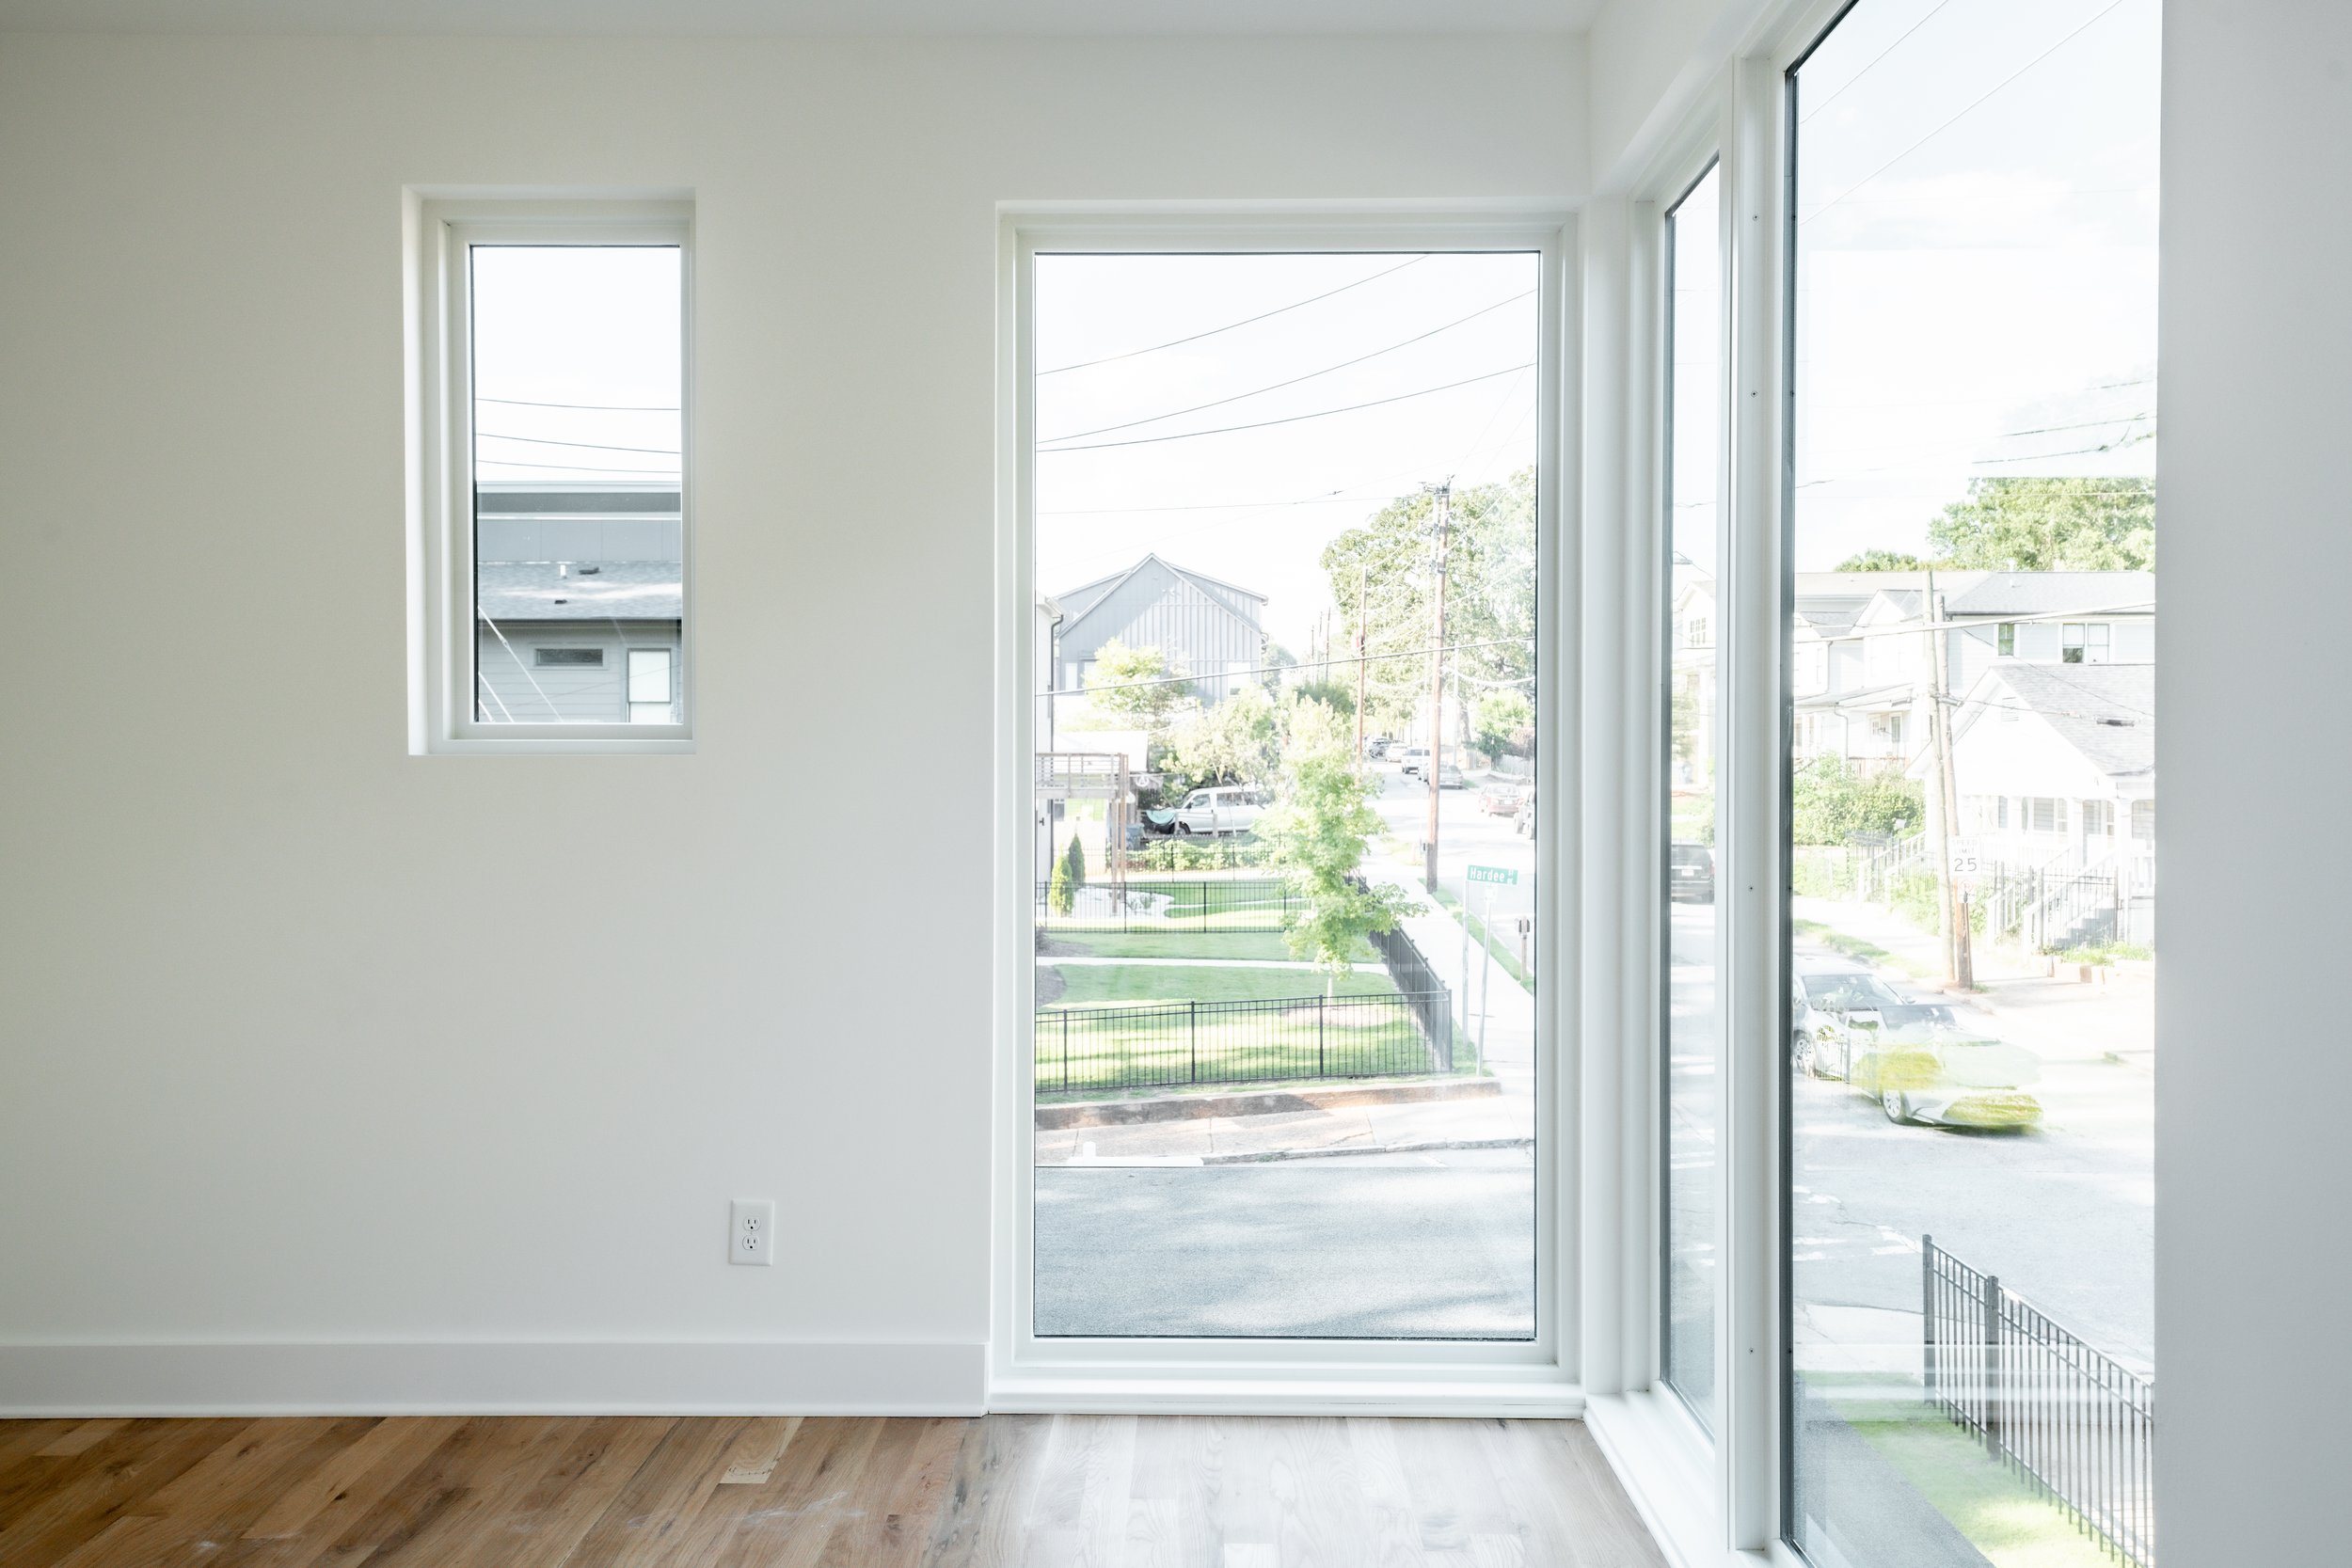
[(2098, 819), (556, 349), (2085, 643), (2042, 814), (650, 685), (2005, 638), (1688, 1013), (2144, 821)]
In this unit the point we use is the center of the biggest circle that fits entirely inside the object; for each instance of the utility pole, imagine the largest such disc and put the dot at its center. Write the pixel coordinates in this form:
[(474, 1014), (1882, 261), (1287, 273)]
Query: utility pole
[(1363, 600), (1444, 493), (1958, 961)]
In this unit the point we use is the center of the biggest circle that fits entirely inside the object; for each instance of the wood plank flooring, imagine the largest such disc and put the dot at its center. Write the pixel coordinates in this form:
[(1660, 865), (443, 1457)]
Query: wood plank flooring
[(748, 1492)]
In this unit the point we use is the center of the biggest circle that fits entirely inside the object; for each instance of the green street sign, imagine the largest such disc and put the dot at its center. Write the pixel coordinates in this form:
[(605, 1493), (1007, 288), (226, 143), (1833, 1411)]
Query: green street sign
[(1500, 876)]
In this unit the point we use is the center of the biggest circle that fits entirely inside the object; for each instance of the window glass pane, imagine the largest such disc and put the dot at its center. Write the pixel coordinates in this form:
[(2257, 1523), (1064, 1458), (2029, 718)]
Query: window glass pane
[(576, 370), (1695, 325), (1971, 1087), (1285, 538)]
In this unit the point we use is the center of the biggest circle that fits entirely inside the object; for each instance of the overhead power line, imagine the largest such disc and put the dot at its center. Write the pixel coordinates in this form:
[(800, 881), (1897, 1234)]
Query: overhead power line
[(1973, 105), (609, 407), (1874, 61), (593, 445), (1173, 342), (1327, 369), (1318, 414)]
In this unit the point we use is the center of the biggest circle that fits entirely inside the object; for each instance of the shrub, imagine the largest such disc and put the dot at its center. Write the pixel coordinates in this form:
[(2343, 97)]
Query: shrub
[(1060, 896), (1074, 861)]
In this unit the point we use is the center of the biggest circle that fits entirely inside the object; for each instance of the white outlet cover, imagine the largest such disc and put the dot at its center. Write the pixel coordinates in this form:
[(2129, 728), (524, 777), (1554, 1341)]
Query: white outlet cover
[(751, 1232)]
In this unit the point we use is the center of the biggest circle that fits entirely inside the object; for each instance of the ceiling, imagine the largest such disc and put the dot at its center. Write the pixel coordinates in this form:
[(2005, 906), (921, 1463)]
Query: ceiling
[(837, 17)]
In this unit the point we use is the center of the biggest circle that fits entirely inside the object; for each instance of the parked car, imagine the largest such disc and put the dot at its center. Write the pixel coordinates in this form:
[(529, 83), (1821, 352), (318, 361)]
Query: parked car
[(1917, 1059), (1448, 776), (1226, 809), (1415, 759), (1377, 748), (1690, 874), (1503, 796)]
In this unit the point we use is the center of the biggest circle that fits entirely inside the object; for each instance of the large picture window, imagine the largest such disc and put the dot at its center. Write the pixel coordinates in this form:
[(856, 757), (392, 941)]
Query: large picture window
[(1971, 531), (1283, 1065)]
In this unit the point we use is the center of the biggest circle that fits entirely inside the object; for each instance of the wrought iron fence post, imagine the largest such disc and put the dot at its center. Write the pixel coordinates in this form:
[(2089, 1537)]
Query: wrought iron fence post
[(1992, 1332), (1192, 1038), (1065, 1051), (1927, 1315), (1319, 1002)]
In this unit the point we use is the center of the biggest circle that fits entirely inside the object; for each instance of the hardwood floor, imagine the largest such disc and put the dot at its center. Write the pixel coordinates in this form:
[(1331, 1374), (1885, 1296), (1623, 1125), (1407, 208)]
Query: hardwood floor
[(633, 1491)]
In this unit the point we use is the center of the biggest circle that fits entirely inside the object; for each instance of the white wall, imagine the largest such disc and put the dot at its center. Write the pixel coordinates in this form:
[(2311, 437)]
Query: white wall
[(2253, 1164), (303, 1039)]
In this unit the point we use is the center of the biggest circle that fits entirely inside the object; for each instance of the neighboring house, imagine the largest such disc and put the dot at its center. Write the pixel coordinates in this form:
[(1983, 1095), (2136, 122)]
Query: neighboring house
[(578, 594), (2054, 765), (1207, 629), (1861, 651)]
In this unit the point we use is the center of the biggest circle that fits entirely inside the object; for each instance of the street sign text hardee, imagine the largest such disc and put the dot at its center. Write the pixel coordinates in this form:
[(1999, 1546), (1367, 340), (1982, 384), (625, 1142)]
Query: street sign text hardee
[(1502, 876)]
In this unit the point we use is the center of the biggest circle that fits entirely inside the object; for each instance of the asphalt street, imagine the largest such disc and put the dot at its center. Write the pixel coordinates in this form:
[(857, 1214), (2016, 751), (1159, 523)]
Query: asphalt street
[(1377, 1247)]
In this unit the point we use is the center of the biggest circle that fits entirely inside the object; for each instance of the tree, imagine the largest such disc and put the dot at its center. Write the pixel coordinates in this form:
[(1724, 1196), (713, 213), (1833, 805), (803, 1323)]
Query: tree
[(1136, 686), (1830, 803), (1882, 560), (1490, 594), (1507, 723), (1338, 696), (2050, 525), (1315, 832), (1059, 896), (1074, 865), (1235, 742)]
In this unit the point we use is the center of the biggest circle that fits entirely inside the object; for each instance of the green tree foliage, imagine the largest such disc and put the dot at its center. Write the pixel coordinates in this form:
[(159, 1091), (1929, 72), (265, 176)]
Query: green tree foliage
[(1315, 832), (1234, 742), (1490, 592), (1505, 723), (1830, 803), (1074, 865), (1882, 560), (1131, 688), (1059, 896), (1337, 695), (2050, 525)]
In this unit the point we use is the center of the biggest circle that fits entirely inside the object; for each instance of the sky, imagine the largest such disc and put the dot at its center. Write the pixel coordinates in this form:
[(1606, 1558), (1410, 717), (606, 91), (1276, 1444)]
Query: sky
[(1257, 506)]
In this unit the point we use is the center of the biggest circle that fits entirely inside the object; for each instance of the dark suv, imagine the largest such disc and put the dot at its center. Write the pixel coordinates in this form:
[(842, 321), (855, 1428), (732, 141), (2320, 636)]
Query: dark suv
[(1691, 874)]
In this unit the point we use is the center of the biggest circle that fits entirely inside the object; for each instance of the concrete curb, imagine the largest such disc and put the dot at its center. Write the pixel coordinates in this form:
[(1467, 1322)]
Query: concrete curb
[(1192, 1107)]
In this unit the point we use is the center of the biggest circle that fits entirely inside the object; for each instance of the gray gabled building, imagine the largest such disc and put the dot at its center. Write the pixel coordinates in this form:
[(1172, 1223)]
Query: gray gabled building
[(578, 596), (1208, 629)]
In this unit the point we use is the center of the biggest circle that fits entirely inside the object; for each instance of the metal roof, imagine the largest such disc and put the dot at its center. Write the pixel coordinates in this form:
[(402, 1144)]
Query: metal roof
[(579, 591)]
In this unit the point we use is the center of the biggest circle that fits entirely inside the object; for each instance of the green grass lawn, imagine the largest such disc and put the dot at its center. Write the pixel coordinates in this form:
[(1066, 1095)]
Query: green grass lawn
[(1126, 985), (2003, 1517), (1189, 944)]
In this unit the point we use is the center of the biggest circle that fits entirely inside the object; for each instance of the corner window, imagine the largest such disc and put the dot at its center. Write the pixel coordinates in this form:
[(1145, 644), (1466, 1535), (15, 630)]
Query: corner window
[(556, 520), (2085, 643), (1687, 964)]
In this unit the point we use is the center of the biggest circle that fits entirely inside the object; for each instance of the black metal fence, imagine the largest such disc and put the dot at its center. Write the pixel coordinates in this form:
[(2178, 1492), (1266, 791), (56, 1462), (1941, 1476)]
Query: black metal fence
[(1196, 905), (1426, 995), (1168, 1044), (2075, 1421)]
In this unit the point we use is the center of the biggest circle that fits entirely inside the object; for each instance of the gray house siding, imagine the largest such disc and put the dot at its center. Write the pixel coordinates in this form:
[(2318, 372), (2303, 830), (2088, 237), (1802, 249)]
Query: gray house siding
[(512, 684), (1208, 629)]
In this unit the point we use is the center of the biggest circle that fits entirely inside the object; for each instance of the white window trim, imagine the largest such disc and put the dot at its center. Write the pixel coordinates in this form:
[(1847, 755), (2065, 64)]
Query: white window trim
[(1715, 1502), (1297, 1376), (437, 228)]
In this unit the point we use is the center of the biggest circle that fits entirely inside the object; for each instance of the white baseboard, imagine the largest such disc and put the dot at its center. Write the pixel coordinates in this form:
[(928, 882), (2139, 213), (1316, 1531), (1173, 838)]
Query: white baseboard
[(666, 1378), (1179, 1393)]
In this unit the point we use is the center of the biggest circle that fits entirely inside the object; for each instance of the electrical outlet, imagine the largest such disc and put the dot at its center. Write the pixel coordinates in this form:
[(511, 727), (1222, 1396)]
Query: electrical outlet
[(750, 1228)]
